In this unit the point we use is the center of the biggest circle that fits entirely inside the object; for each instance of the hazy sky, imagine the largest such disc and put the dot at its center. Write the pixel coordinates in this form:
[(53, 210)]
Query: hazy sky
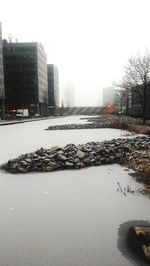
[(89, 40)]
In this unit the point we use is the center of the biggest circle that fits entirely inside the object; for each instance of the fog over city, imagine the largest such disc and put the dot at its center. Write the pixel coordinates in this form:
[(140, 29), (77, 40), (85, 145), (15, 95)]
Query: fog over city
[(89, 40)]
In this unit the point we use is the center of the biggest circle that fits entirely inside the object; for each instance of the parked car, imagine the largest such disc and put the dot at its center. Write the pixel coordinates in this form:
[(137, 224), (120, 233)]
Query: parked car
[(6, 117), (19, 116), (37, 115)]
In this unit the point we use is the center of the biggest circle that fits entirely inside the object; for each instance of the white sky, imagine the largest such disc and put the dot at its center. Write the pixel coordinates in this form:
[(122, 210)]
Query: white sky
[(89, 40)]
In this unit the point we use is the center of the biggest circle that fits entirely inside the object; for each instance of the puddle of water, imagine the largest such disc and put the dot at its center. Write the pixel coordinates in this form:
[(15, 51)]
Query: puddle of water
[(128, 244)]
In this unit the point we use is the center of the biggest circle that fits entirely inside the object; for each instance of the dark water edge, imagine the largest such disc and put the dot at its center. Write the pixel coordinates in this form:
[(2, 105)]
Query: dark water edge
[(128, 244)]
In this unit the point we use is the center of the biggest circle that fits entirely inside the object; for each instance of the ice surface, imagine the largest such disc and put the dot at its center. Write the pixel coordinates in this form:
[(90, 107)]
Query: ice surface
[(68, 217)]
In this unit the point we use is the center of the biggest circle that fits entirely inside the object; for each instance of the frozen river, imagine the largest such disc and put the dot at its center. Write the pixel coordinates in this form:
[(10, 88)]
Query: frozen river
[(64, 218)]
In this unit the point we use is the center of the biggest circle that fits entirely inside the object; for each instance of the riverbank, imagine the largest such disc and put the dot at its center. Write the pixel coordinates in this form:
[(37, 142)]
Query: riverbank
[(131, 124), (20, 121)]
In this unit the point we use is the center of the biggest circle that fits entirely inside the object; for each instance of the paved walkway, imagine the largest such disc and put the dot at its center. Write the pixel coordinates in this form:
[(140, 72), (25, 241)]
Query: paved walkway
[(11, 122)]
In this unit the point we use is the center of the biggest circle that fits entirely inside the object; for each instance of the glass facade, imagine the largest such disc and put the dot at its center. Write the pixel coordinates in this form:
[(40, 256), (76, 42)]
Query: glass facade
[(24, 71), (2, 92), (42, 78), (53, 86)]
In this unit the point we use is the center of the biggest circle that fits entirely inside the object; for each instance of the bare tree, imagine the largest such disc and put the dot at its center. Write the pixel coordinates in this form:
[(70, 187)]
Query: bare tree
[(136, 79), (121, 100)]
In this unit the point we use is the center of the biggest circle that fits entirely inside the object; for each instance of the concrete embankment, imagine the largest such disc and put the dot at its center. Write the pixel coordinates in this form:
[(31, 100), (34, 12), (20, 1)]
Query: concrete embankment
[(12, 122)]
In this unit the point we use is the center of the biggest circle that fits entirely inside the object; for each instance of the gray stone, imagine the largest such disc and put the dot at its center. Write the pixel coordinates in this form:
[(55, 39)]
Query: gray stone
[(61, 157), (60, 152), (49, 168), (38, 164), (22, 170), (24, 163), (76, 160), (36, 160), (80, 164), (69, 164), (52, 164), (14, 166), (35, 155), (80, 154), (46, 160), (93, 160), (28, 160)]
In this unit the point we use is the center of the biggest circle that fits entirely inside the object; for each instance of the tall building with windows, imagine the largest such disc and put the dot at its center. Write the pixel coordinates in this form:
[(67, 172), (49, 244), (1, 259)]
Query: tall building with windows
[(69, 95), (25, 73), (53, 87), (109, 96), (2, 91)]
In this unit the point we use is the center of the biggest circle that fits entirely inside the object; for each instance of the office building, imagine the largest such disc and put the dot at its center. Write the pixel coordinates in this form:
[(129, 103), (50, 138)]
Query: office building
[(69, 95), (53, 88), (2, 91), (109, 95), (25, 73)]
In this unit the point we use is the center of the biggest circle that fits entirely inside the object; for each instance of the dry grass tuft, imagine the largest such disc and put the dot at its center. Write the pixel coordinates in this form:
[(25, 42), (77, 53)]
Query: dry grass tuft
[(131, 127)]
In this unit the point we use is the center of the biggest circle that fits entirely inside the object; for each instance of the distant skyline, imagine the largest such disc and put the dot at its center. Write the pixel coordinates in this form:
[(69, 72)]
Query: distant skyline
[(69, 95), (89, 40)]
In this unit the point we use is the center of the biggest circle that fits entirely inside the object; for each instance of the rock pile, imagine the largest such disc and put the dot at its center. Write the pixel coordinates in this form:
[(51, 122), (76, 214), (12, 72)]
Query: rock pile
[(76, 157), (77, 126), (102, 121), (108, 121), (108, 118), (139, 161)]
